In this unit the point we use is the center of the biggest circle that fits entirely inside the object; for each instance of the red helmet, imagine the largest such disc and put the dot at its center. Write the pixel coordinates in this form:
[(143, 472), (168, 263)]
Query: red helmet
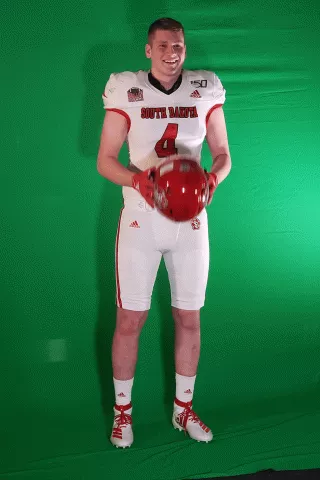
[(181, 189)]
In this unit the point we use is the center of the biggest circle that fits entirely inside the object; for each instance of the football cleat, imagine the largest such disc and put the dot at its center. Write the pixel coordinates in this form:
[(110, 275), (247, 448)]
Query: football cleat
[(122, 435), (184, 418)]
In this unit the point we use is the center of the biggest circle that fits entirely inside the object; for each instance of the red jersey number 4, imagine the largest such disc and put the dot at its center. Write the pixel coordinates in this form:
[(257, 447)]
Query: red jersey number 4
[(166, 145)]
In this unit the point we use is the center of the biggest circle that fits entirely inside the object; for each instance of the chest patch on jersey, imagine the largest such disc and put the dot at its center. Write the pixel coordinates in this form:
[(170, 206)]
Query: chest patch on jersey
[(135, 94), (199, 83)]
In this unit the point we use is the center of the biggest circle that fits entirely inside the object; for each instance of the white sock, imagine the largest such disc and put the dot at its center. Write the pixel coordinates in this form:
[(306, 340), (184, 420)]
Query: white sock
[(122, 389), (184, 387)]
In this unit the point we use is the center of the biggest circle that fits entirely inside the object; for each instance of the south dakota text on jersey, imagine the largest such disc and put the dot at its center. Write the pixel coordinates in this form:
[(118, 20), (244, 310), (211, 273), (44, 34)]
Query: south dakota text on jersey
[(173, 112)]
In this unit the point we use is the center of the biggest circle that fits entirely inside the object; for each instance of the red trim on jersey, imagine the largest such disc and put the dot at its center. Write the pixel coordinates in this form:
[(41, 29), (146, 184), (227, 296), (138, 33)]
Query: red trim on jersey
[(211, 110), (126, 116), (119, 301)]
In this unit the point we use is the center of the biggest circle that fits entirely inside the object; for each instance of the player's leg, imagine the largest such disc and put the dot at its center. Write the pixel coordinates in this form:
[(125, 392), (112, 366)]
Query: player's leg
[(129, 324), (187, 341), (188, 266), (124, 358), (137, 263)]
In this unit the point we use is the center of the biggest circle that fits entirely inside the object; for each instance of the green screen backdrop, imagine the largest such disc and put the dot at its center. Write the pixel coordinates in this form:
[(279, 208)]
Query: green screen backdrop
[(259, 371)]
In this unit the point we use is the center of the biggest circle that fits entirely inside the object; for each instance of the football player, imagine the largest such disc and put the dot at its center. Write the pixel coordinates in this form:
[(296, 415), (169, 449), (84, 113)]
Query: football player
[(164, 111)]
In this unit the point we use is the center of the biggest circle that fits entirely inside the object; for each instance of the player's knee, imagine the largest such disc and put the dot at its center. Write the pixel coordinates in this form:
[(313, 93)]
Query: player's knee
[(130, 322), (187, 319)]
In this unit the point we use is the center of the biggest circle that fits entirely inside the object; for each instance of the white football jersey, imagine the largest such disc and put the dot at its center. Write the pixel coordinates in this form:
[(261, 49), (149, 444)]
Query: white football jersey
[(160, 125)]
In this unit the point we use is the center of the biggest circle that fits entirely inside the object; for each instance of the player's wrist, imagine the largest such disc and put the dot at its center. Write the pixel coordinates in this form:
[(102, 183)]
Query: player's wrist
[(212, 178), (132, 179), (215, 179)]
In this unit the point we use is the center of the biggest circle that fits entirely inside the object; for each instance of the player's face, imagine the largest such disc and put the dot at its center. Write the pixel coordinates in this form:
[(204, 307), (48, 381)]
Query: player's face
[(167, 53)]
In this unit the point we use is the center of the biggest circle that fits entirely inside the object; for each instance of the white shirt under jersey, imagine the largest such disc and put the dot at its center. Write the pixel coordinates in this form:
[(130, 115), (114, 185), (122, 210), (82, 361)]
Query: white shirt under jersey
[(160, 125)]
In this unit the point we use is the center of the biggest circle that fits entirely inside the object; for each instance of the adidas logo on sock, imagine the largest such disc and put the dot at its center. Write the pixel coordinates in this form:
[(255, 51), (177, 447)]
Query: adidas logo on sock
[(188, 391), (121, 394)]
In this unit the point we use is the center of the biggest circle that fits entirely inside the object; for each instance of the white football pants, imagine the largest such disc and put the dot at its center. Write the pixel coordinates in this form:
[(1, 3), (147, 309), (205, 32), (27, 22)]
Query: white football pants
[(144, 235)]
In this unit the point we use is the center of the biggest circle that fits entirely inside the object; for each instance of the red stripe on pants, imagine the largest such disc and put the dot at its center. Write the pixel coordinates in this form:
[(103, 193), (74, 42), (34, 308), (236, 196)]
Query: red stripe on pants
[(119, 302)]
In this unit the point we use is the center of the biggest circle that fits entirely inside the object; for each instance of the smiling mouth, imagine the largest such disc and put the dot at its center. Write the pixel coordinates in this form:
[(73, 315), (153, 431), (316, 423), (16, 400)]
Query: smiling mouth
[(170, 62)]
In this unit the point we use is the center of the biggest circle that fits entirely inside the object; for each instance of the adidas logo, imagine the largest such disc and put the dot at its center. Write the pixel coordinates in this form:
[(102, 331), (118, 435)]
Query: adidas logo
[(121, 394), (195, 94), (134, 224), (188, 391)]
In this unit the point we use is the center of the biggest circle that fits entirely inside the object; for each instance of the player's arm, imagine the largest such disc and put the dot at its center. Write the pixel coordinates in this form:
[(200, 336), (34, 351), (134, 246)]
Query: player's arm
[(114, 133), (217, 140)]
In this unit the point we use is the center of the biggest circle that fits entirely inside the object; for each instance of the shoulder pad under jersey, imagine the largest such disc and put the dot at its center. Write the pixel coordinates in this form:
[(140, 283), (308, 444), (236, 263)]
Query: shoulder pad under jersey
[(208, 84), (118, 88)]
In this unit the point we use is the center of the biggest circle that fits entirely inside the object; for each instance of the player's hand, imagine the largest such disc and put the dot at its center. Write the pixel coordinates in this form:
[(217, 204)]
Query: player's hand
[(143, 182), (213, 183)]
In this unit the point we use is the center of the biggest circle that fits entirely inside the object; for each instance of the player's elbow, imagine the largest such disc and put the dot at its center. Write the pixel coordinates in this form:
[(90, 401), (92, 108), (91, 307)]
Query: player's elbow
[(102, 166), (99, 165), (228, 164)]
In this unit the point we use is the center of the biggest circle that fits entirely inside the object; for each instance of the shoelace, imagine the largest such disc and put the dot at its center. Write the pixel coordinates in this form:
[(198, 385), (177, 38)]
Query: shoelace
[(122, 420), (189, 414)]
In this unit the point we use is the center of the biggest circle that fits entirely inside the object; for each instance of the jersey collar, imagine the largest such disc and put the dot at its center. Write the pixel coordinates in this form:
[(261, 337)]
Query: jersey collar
[(160, 87)]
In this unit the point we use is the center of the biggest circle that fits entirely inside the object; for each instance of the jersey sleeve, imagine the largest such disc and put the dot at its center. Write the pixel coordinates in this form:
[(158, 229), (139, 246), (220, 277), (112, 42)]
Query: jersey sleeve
[(115, 96), (218, 92), (112, 93)]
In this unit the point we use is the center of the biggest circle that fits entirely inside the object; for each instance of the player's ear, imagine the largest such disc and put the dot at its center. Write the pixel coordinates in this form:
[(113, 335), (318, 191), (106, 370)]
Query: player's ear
[(148, 50)]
